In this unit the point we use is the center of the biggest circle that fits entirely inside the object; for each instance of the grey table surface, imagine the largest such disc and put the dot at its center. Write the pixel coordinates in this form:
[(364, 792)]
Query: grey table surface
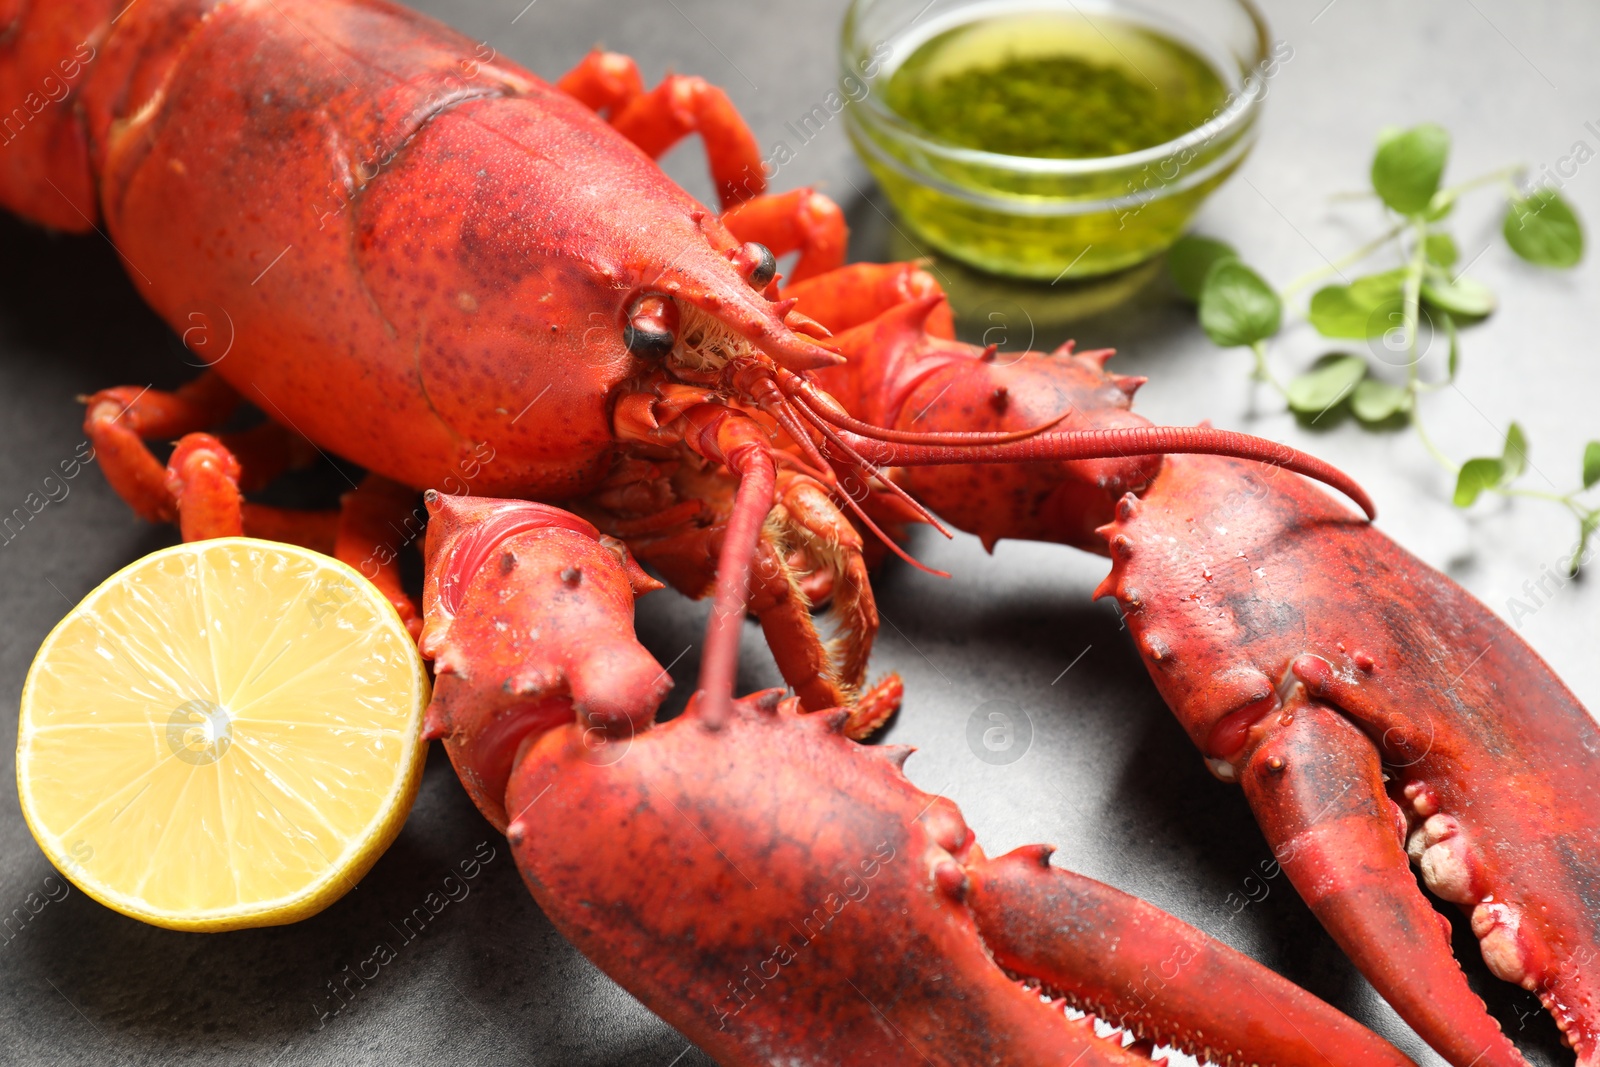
[(1107, 776)]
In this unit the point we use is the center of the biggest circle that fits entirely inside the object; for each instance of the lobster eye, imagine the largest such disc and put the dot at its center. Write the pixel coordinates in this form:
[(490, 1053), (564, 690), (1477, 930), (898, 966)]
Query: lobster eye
[(757, 263), (652, 326)]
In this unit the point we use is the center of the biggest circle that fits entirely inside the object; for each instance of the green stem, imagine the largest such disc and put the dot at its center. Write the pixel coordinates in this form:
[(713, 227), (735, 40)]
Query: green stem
[(1413, 295), (1564, 499), (1412, 313), (1504, 174), (1263, 372), (1427, 442), (1341, 263)]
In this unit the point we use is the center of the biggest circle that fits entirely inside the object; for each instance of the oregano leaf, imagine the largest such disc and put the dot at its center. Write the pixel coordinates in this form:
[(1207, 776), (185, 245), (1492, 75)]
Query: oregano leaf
[(1237, 307), (1514, 456), (1459, 296), (1377, 401), (1477, 475), (1543, 229), (1330, 380), (1191, 258), (1591, 464), (1367, 307), (1408, 166), (1440, 248)]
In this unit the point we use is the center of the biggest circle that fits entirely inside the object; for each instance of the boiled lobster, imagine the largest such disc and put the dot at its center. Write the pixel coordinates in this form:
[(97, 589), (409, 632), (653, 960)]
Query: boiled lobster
[(435, 246)]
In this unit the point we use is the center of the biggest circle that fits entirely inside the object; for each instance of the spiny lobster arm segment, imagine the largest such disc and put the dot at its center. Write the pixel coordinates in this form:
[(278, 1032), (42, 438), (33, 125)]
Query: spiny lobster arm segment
[(1132, 964), (1316, 787), (529, 624), (1123, 441)]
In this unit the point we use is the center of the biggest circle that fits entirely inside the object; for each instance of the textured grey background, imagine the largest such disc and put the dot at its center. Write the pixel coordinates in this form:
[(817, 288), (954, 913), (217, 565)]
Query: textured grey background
[(1108, 777)]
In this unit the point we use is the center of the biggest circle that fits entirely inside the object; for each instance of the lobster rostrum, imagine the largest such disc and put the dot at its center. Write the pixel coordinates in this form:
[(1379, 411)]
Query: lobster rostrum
[(778, 892), (1373, 711)]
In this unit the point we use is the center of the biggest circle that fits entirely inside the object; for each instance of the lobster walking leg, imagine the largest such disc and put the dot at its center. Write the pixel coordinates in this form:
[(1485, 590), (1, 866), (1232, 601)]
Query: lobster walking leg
[(800, 220), (658, 119), (370, 518), (200, 485), (119, 421), (859, 292)]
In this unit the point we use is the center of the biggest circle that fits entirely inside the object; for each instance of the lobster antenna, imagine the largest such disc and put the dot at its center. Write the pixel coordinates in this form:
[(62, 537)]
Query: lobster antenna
[(784, 412), (758, 480), (789, 409), (866, 471), (819, 406), (1126, 441)]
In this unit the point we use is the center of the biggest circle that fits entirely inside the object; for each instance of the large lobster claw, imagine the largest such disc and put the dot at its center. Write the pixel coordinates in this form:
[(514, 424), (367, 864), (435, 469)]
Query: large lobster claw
[(1376, 713), (781, 894), (776, 891)]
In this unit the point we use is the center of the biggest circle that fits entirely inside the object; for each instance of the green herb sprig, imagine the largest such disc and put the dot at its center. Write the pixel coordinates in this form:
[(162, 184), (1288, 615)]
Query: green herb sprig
[(1237, 308)]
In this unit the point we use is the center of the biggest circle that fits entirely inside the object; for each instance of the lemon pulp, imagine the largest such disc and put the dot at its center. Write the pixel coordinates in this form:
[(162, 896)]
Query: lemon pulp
[(223, 734)]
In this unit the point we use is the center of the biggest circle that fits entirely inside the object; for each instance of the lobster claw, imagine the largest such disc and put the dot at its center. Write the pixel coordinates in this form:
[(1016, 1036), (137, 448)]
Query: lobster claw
[(779, 893), (1376, 716), (1132, 964)]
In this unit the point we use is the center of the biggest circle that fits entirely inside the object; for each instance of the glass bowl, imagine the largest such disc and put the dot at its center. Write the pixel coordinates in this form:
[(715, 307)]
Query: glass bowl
[(1052, 219)]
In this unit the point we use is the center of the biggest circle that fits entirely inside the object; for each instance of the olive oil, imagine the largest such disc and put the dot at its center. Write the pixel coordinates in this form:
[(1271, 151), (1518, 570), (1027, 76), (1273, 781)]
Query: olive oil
[(1051, 141), (1058, 85)]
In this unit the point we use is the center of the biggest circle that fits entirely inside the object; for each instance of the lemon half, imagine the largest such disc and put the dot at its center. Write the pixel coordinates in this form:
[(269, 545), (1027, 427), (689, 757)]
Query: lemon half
[(223, 734)]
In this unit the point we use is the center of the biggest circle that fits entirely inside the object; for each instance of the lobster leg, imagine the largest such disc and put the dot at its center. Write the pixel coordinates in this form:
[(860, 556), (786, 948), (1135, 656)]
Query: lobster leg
[(859, 292), (369, 518), (607, 82), (678, 106), (800, 220), (200, 485), (119, 421), (316, 530)]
